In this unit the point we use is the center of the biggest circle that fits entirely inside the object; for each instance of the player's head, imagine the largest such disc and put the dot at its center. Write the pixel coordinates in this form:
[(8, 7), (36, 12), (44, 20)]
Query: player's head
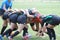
[(32, 11)]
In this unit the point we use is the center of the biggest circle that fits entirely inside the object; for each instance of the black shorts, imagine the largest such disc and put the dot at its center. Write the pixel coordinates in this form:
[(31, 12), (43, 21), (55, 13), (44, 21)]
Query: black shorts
[(2, 12), (54, 21), (13, 18), (22, 19), (5, 16)]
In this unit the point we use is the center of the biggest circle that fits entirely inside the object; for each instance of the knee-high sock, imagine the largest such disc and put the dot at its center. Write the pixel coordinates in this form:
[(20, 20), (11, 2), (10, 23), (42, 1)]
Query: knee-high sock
[(53, 34), (25, 30), (7, 32), (15, 34), (49, 33), (3, 29)]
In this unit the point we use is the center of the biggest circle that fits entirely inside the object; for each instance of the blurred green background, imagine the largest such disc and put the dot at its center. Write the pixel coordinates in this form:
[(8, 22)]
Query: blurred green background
[(44, 6)]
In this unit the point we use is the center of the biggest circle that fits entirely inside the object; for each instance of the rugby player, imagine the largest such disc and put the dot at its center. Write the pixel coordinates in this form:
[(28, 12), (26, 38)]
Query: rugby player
[(6, 4), (49, 22), (22, 21), (13, 19)]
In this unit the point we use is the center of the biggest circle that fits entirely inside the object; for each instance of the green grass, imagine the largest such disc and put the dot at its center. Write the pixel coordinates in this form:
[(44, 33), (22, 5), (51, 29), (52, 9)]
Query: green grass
[(44, 8)]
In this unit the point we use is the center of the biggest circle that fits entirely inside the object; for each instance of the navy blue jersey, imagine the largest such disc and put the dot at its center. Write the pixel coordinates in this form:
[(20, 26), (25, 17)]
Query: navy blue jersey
[(51, 19)]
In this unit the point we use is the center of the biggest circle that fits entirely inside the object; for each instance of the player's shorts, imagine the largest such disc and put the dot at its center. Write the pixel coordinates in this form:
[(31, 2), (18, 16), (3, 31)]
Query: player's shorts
[(22, 19), (13, 18), (54, 21), (5, 16), (2, 12)]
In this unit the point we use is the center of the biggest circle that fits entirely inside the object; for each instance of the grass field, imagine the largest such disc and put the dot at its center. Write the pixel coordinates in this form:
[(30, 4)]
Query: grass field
[(44, 8)]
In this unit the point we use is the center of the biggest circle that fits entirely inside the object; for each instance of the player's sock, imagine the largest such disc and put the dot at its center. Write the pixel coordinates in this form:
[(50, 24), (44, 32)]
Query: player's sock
[(3, 29), (7, 32), (53, 34), (15, 34), (49, 33), (25, 30)]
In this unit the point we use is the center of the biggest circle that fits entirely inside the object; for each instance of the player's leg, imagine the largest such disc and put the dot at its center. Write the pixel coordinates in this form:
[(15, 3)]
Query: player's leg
[(53, 34), (21, 24), (37, 26), (1, 14), (9, 31), (13, 26), (20, 28), (13, 20), (32, 26), (25, 30), (49, 33), (26, 35), (44, 28), (5, 22)]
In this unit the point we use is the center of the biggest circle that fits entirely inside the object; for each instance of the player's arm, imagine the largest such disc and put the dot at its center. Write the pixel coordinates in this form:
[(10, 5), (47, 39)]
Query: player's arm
[(40, 30), (37, 26), (4, 7), (10, 6)]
